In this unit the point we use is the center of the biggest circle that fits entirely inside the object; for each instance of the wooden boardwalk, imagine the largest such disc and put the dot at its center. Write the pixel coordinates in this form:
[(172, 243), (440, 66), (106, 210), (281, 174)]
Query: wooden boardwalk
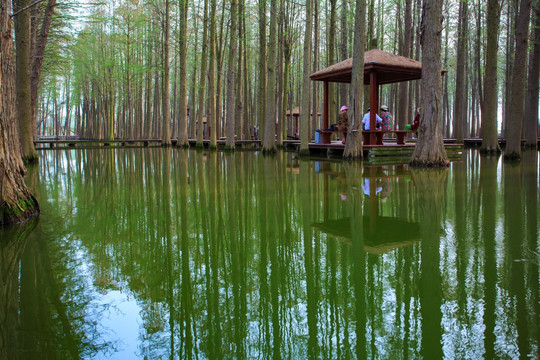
[(388, 152)]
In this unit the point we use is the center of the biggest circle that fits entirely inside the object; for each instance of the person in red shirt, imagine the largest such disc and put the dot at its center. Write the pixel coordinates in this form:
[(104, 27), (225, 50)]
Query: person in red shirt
[(416, 122)]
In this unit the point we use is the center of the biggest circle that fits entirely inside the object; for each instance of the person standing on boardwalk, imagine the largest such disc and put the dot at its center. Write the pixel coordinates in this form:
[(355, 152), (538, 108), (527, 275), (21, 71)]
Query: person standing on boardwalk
[(343, 122)]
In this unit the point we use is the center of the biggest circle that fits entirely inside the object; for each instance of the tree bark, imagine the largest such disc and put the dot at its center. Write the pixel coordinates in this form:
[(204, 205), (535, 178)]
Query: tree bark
[(332, 101), (461, 90), (37, 56), (403, 106), (201, 85), (429, 150), (166, 101), (182, 92), (262, 66), (304, 115), (490, 143), (231, 77), (517, 93), (280, 78), (531, 99), (344, 44), (211, 112), (239, 100), (24, 102), (16, 202), (509, 61), (269, 142), (353, 145), (315, 92)]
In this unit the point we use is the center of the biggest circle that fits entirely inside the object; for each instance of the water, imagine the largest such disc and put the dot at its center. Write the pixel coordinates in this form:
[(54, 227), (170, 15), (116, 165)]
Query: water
[(156, 253)]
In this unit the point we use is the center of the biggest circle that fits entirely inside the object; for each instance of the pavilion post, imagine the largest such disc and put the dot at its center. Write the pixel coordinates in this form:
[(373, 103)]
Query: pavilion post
[(325, 106), (373, 104)]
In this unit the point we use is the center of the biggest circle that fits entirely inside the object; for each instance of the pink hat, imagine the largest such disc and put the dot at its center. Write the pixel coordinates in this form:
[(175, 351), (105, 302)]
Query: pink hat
[(344, 107)]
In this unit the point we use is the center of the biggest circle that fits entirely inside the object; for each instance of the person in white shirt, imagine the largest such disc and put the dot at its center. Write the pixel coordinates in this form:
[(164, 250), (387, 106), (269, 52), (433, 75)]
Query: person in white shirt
[(365, 120)]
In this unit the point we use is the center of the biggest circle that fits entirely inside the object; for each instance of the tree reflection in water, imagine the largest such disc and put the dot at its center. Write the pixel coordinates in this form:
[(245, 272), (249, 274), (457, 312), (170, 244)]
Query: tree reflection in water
[(245, 256)]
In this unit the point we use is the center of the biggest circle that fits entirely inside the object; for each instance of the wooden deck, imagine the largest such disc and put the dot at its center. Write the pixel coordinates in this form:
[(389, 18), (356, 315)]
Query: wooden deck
[(388, 153)]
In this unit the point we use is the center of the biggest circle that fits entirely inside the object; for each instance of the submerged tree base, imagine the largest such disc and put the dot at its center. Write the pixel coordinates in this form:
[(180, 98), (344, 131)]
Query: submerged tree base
[(18, 212), (199, 145), (229, 148), (269, 151), (303, 153), (429, 164), (513, 156), (212, 147), (352, 157), (490, 150)]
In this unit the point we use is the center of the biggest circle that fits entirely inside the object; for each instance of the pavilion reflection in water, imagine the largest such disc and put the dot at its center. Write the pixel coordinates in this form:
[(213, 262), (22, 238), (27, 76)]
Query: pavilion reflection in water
[(381, 233)]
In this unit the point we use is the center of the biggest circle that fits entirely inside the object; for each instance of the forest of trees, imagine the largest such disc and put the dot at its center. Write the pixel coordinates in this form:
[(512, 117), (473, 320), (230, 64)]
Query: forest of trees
[(148, 69)]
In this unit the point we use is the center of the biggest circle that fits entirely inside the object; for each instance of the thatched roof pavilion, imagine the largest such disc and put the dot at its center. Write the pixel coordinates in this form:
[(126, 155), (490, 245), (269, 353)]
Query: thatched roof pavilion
[(380, 67)]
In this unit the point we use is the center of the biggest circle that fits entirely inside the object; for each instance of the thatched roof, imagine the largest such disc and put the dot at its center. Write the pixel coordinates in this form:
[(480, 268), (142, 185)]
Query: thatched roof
[(390, 68)]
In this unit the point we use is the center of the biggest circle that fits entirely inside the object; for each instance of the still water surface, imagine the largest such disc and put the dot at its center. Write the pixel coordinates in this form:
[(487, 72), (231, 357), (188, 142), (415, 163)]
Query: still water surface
[(165, 253)]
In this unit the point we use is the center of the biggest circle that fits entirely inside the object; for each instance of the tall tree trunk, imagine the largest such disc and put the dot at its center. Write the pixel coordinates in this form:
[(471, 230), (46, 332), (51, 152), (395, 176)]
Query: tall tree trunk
[(517, 95), (240, 114), (490, 143), (166, 126), (477, 55), (182, 91), (262, 65), (344, 45), (287, 52), (219, 84), (281, 80), (37, 56), (315, 95), (211, 112), (372, 42), (306, 82), (446, 100), (332, 104), (24, 102), (353, 146), (156, 115), (429, 150), (531, 99), (403, 107), (148, 89), (511, 15), (269, 135), (191, 112), (201, 85), (231, 77), (461, 90), (16, 202), (67, 121), (248, 120)]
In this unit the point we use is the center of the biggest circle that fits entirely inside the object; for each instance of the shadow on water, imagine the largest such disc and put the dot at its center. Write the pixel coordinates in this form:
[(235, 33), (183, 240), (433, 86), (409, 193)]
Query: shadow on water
[(181, 254)]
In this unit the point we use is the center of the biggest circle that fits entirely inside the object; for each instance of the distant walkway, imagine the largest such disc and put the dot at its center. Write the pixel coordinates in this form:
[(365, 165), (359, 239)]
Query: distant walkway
[(52, 142)]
